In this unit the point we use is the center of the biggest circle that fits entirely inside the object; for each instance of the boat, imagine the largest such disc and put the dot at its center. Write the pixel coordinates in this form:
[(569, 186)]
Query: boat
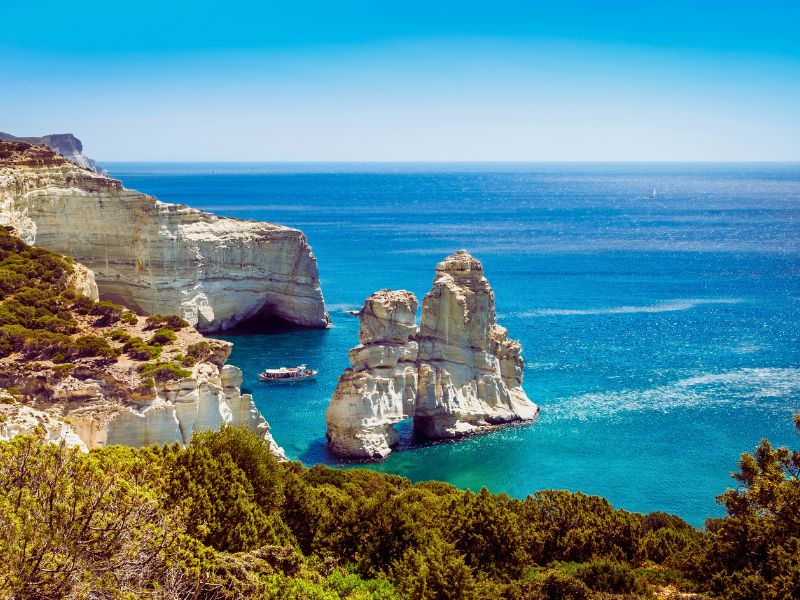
[(288, 374), (654, 192)]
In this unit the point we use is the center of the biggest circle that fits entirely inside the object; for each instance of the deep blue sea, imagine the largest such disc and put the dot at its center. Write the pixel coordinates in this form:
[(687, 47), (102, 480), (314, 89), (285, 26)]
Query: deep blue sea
[(661, 334)]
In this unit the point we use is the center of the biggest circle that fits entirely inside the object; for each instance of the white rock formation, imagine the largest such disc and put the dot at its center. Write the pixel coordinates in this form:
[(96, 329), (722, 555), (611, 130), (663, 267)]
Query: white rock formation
[(80, 414), (154, 257), (16, 419), (457, 375), (82, 281), (380, 389), (470, 374)]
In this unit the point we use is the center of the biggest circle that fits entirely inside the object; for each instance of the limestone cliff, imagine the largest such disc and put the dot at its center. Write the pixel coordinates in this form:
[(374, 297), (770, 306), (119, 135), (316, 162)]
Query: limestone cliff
[(154, 257), (456, 375), (92, 373), (65, 144)]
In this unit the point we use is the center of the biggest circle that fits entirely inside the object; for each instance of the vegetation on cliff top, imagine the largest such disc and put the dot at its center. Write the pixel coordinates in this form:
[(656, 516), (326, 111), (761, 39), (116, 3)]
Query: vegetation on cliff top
[(43, 319), (223, 519)]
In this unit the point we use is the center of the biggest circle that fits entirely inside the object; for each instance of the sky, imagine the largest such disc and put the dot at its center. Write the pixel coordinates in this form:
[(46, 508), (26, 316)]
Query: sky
[(459, 80)]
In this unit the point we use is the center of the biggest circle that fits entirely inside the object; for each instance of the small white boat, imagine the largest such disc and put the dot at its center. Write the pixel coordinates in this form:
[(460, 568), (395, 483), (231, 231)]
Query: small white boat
[(288, 374)]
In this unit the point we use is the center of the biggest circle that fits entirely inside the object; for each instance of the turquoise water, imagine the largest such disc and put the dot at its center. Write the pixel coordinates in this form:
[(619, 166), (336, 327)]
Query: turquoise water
[(661, 335)]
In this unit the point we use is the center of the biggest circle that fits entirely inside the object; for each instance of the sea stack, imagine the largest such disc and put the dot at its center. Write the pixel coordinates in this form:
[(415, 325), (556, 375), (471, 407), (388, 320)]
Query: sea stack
[(153, 257), (380, 389), (470, 373), (459, 373)]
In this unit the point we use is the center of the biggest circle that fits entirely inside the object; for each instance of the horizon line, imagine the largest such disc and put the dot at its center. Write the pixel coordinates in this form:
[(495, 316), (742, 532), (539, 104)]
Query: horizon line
[(448, 162)]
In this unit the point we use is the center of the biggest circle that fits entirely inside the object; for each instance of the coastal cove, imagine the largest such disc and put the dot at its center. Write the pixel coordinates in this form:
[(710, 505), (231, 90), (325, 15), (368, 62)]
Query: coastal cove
[(660, 334)]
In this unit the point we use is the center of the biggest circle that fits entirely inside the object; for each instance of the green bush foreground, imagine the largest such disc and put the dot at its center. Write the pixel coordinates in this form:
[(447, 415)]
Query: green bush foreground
[(223, 519)]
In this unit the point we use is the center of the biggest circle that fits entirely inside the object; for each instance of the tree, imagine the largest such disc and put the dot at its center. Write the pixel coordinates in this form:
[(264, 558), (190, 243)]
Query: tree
[(70, 524), (755, 551)]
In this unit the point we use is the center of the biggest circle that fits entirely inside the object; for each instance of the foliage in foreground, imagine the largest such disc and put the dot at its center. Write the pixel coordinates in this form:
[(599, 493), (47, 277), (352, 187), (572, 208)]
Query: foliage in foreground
[(222, 519)]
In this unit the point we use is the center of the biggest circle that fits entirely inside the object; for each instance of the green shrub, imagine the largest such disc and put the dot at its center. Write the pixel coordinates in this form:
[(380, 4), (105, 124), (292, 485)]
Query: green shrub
[(162, 337), (557, 586), (119, 335), (55, 324), (173, 322), (129, 318), (90, 345), (667, 577), (108, 313), (163, 371), (199, 351), (63, 370), (138, 350), (662, 544), (10, 281), (83, 305), (608, 576)]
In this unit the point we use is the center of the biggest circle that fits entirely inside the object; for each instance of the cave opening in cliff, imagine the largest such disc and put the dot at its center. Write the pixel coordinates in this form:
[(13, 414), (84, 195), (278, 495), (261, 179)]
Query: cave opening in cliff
[(263, 322)]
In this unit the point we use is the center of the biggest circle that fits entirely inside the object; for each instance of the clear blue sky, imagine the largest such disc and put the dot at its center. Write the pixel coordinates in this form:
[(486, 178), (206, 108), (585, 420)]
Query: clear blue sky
[(494, 80)]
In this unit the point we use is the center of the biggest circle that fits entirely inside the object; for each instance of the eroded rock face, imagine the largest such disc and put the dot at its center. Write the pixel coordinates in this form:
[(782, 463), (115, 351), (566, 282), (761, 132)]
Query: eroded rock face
[(65, 144), (380, 389), (458, 374), (154, 257), (88, 412), (470, 373)]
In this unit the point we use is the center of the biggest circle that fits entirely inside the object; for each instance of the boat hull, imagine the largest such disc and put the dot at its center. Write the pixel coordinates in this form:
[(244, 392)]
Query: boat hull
[(285, 380)]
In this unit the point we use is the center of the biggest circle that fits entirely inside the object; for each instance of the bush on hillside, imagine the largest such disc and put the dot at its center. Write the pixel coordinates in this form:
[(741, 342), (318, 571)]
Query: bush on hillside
[(163, 371), (162, 337), (608, 576), (107, 313), (173, 322), (136, 348)]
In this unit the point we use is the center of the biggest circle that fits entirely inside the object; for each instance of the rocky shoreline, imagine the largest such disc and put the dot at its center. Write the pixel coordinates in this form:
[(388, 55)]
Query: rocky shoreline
[(152, 258), (454, 374)]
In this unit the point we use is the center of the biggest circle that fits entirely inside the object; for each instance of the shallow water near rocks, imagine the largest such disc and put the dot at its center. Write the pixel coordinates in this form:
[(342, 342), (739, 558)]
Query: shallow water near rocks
[(661, 335)]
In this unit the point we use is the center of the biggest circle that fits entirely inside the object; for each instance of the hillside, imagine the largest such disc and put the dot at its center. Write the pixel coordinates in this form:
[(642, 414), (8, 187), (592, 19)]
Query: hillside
[(95, 373)]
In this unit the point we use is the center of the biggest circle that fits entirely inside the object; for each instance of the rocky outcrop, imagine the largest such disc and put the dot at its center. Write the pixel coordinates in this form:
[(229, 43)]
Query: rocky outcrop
[(17, 419), (65, 144), (470, 373), (380, 389), (86, 410), (209, 399), (81, 281), (154, 257), (457, 374)]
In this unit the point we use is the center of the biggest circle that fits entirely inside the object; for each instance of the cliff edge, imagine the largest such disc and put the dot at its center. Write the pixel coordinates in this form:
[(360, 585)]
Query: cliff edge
[(65, 144), (93, 374), (153, 257)]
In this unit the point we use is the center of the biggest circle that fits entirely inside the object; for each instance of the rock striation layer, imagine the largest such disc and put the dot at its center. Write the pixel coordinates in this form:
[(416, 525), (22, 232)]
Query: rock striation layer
[(457, 374), (154, 257)]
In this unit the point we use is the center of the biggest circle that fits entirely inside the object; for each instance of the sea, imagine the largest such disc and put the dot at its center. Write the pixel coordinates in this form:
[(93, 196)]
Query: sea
[(658, 306)]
